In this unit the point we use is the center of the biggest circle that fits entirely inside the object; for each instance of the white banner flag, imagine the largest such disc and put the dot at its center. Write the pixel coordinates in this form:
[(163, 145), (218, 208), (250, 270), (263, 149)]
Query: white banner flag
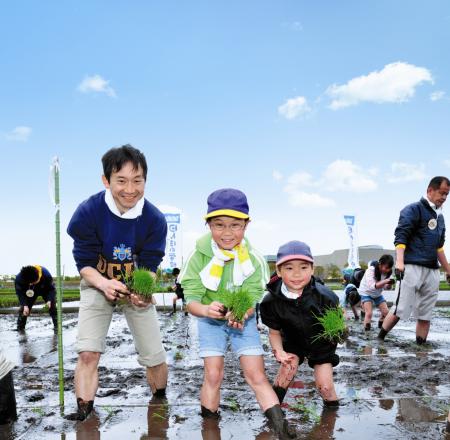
[(353, 255), (173, 257)]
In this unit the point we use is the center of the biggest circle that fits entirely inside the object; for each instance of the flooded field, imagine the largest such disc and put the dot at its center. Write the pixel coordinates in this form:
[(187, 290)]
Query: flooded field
[(389, 390)]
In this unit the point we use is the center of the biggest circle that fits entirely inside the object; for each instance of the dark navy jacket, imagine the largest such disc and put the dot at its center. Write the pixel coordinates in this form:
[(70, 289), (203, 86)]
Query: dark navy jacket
[(45, 288), (296, 319), (422, 231)]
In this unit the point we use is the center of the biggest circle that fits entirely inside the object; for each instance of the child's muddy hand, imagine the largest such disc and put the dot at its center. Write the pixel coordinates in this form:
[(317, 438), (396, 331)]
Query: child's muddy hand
[(239, 325), (215, 310)]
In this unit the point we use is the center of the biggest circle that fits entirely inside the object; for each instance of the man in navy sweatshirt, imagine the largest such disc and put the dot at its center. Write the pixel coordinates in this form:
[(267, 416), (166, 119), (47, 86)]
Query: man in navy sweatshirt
[(113, 231), (419, 244)]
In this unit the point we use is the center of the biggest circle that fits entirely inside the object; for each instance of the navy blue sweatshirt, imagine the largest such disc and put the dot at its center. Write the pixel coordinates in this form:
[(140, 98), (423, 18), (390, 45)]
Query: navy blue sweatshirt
[(422, 232), (44, 288), (106, 242)]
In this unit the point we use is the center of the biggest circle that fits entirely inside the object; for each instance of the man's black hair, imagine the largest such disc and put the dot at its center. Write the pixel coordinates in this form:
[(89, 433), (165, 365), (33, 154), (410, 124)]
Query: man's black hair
[(175, 271), (384, 259), (29, 274), (436, 182), (115, 158)]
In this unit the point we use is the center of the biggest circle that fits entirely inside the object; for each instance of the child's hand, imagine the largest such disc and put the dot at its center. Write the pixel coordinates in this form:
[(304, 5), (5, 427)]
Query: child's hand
[(239, 324), (283, 357), (215, 310)]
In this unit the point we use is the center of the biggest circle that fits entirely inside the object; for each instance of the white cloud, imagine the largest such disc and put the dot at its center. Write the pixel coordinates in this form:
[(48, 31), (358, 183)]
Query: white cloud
[(97, 84), (344, 175), (19, 134), (294, 107), (297, 196), (340, 175), (277, 175), (301, 178), (304, 199), (396, 82), (293, 25), (406, 172), (437, 96)]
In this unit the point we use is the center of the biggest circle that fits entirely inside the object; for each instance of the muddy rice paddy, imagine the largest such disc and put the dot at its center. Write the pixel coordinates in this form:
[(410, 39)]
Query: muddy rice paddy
[(388, 390)]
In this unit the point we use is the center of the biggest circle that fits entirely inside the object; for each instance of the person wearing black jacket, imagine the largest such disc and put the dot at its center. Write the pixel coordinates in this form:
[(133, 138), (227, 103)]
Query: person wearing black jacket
[(419, 246), (290, 309), (30, 283)]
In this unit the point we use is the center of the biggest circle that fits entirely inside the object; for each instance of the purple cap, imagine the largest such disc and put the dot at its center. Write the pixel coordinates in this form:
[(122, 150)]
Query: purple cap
[(294, 250), (227, 201)]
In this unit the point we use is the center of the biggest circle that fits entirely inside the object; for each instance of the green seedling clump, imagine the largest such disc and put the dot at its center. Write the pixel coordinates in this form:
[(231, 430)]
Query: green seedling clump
[(333, 326), (141, 282), (237, 302)]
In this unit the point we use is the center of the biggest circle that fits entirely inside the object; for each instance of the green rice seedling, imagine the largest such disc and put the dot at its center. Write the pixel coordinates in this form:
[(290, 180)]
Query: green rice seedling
[(309, 412), (178, 356), (233, 404), (237, 301), (141, 283), (333, 325), (38, 410)]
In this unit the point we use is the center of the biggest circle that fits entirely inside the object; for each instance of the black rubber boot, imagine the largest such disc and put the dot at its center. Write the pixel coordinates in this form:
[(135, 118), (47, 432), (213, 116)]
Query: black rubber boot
[(159, 397), (21, 322), (84, 408), (420, 340), (382, 334), (380, 324), (331, 404), (356, 318), (174, 308), (447, 427), (186, 313), (55, 323), (280, 392), (208, 414), (8, 409), (279, 424), (367, 327)]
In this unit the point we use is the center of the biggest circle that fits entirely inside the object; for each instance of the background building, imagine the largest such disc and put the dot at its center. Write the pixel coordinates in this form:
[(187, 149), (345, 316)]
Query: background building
[(329, 266)]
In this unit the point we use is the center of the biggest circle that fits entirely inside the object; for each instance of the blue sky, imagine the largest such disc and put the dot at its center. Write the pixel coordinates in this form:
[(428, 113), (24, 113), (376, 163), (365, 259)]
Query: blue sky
[(314, 109)]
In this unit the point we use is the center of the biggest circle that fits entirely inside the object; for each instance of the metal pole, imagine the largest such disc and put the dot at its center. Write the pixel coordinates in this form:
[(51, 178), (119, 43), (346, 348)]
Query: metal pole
[(59, 286)]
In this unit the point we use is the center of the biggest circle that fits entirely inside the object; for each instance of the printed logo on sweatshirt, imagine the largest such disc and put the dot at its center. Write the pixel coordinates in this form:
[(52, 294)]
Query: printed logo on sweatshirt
[(121, 252)]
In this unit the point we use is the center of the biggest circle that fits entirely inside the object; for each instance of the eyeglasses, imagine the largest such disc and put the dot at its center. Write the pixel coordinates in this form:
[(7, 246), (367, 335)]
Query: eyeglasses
[(235, 227)]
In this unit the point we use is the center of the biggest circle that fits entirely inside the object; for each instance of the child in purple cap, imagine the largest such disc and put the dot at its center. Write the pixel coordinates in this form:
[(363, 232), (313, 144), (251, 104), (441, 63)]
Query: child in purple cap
[(290, 310), (224, 259)]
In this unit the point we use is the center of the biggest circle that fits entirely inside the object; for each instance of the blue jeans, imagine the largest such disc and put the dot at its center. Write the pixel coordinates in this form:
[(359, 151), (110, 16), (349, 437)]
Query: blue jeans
[(214, 334), (377, 301)]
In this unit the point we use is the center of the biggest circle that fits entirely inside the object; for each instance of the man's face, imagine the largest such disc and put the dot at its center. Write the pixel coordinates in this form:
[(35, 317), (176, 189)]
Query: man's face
[(438, 196), (126, 186)]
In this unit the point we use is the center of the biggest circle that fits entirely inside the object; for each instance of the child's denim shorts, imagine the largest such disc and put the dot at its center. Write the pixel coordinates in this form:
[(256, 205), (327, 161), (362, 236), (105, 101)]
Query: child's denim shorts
[(377, 301), (214, 334)]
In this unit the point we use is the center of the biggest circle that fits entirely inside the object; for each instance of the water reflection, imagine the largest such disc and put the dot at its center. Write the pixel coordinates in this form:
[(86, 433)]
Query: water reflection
[(325, 428), (157, 421), (414, 410), (31, 348), (89, 429), (210, 429)]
